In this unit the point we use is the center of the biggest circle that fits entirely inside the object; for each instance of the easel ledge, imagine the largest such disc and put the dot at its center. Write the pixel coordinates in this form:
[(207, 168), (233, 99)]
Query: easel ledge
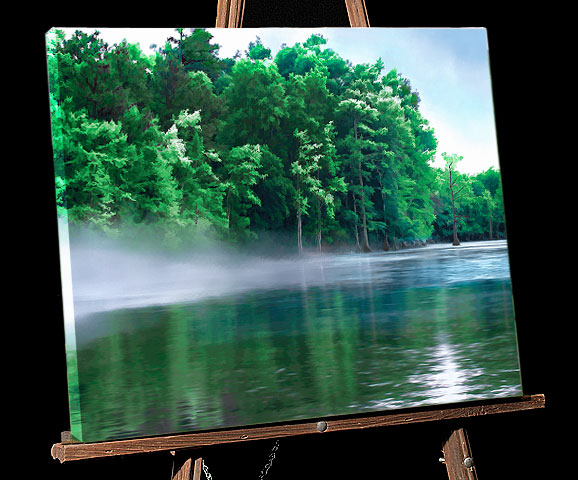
[(66, 452)]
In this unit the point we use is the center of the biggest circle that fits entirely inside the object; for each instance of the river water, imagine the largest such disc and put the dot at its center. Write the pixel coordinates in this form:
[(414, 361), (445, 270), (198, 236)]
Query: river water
[(167, 346)]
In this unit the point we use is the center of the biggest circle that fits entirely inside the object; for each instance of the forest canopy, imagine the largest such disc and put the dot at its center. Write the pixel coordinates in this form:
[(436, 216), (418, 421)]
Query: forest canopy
[(303, 143)]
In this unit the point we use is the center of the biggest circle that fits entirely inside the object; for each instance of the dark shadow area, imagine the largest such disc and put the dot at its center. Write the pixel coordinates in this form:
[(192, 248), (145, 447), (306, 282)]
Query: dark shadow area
[(295, 13)]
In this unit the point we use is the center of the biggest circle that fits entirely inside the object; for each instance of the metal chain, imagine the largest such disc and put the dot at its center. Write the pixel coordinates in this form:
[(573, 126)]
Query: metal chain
[(270, 461), (263, 473), (208, 476)]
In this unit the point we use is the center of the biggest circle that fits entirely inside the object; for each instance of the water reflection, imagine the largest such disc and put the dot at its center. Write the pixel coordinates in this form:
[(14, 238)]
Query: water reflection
[(354, 334), (447, 380)]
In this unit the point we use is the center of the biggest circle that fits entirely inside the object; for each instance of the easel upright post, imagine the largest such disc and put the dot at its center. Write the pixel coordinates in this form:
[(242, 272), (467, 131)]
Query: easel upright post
[(230, 13), (357, 13), (190, 471), (458, 457)]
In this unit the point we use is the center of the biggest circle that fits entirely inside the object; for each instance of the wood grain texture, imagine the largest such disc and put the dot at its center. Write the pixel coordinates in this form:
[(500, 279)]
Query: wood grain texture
[(357, 13), (185, 471), (456, 450), (230, 13), (66, 452), (198, 469)]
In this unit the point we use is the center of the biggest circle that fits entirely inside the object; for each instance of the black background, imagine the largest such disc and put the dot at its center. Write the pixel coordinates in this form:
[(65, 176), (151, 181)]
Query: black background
[(529, 98)]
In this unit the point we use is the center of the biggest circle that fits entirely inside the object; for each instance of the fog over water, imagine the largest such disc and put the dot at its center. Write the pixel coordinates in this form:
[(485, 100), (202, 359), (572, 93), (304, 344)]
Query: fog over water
[(110, 276)]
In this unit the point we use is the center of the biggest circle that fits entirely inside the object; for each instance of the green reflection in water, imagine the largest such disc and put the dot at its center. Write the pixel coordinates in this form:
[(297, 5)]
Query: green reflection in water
[(290, 354)]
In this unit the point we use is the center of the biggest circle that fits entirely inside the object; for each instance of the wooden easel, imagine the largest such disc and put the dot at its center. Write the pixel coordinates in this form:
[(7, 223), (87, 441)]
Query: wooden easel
[(457, 454)]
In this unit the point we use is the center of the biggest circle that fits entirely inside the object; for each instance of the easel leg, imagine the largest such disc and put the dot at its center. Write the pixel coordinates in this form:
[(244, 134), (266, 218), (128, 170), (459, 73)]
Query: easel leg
[(190, 472), (458, 457), (198, 471)]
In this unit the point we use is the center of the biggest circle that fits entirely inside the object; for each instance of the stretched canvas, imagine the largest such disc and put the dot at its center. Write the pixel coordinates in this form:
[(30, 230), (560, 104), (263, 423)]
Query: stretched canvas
[(266, 225)]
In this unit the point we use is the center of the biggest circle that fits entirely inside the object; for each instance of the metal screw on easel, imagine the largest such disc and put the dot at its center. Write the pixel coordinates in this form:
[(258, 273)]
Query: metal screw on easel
[(468, 462), (322, 426)]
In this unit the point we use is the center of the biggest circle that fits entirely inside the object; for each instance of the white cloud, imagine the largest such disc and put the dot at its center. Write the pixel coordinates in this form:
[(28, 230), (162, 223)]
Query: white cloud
[(474, 141)]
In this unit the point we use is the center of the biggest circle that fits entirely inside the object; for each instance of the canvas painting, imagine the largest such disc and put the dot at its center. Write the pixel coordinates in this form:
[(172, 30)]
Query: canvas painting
[(267, 225)]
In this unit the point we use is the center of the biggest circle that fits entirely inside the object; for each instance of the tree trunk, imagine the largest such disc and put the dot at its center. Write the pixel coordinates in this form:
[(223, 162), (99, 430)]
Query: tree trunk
[(228, 215), (356, 229), (386, 246), (299, 230), (318, 224), (455, 242), (228, 212), (365, 239)]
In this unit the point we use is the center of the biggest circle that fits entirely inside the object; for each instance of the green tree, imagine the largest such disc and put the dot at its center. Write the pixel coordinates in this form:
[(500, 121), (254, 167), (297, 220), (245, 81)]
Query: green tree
[(255, 101), (242, 165), (97, 165), (458, 186), (391, 139), (106, 81), (357, 118), (182, 78), (202, 192), (307, 184), (329, 181), (276, 191), (170, 87), (257, 51), (492, 185), (81, 70), (203, 98), (195, 52), (316, 180), (312, 54), (489, 203)]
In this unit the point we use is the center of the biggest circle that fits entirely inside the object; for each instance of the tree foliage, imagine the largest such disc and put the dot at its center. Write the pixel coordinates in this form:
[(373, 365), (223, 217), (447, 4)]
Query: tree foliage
[(302, 142)]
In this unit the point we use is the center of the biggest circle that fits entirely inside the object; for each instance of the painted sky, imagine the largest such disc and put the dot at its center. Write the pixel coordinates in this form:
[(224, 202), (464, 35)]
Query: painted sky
[(449, 67)]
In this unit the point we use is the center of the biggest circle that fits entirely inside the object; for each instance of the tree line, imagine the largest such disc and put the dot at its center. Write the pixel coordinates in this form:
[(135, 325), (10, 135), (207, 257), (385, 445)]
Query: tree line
[(304, 143)]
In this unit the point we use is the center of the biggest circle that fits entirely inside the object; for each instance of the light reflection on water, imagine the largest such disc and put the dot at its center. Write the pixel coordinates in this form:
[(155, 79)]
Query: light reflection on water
[(337, 334)]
